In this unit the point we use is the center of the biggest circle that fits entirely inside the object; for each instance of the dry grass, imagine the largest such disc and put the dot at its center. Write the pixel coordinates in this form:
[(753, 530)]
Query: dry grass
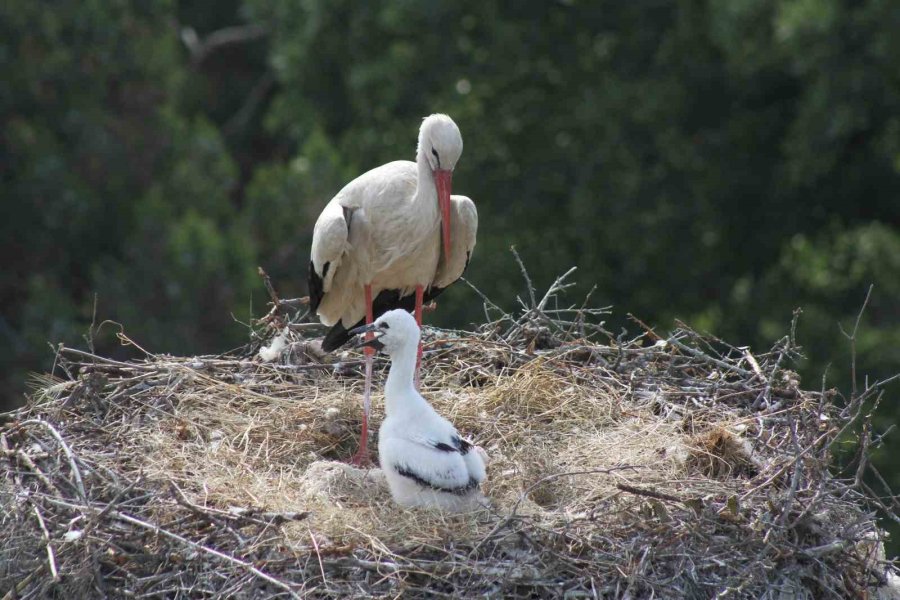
[(617, 470)]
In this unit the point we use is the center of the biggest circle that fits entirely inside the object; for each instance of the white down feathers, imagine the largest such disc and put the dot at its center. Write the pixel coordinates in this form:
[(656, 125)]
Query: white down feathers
[(423, 457)]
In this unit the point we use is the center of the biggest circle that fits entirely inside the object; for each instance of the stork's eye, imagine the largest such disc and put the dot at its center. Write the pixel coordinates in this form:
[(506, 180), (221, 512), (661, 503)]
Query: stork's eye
[(435, 154)]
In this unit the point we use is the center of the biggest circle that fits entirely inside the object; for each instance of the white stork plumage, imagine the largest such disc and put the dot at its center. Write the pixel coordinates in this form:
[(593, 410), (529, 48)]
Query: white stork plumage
[(393, 237), (423, 457)]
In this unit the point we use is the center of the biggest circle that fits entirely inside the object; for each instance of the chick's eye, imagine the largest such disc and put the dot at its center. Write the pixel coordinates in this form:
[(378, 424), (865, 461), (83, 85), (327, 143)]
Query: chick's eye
[(384, 326)]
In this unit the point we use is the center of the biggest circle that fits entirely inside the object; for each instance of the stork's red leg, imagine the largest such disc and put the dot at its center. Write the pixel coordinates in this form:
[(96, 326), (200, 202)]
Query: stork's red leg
[(420, 292), (361, 458)]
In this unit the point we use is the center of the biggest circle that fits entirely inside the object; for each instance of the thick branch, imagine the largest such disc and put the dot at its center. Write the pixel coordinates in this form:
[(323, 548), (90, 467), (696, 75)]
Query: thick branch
[(229, 36)]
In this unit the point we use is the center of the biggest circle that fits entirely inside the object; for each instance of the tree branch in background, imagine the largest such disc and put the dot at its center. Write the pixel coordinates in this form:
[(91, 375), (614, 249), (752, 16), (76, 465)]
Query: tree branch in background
[(852, 338), (221, 38), (239, 120)]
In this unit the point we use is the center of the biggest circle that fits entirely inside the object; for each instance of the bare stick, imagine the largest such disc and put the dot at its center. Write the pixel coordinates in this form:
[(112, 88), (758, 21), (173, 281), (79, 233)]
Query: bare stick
[(55, 357), (578, 319), (887, 488), (26, 460), (525, 275), (246, 514), (754, 364), (51, 558), (820, 551), (89, 337), (556, 288), (795, 477), (269, 287), (108, 361), (852, 417), (487, 301), (304, 326), (698, 354), (295, 302), (766, 393), (784, 467), (14, 592), (865, 438), (211, 551), (872, 495), (318, 554), (653, 335), (68, 451), (649, 493), (852, 338)]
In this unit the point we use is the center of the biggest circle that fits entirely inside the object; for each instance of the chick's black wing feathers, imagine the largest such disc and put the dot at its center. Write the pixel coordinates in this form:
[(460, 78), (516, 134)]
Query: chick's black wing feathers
[(462, 445), (457, 444), (405, 471)]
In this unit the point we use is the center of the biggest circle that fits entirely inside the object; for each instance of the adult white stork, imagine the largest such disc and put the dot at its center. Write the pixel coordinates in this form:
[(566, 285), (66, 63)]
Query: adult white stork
[(378, 243), (423, 457)]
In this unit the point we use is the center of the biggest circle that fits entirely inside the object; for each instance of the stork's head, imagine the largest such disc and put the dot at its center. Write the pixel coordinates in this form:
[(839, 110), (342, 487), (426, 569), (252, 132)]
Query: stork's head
[(393, 331), (440, 143)]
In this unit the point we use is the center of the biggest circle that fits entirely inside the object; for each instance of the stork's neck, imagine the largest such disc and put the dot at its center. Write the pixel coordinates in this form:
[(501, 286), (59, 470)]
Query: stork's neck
[(399, 391), (426, 192)]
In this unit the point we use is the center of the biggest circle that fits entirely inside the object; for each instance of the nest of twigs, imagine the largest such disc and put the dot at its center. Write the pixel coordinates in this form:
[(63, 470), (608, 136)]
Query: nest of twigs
[(676, 467)]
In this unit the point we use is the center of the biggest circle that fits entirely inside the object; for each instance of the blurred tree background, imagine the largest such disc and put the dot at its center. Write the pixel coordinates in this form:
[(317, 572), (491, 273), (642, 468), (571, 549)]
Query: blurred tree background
[(718, 162)]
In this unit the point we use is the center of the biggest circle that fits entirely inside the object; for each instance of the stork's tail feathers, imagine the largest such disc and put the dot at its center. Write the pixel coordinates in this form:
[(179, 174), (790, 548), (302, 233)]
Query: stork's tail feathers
[(336, 337)]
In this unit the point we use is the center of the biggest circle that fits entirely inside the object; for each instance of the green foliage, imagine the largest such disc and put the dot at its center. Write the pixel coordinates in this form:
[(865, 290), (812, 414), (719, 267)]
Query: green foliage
[(109, 190), (283, 201), (828, 275)]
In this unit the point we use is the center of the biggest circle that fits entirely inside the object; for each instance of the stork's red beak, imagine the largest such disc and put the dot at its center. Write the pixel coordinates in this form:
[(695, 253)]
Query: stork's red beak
[(442, 179)]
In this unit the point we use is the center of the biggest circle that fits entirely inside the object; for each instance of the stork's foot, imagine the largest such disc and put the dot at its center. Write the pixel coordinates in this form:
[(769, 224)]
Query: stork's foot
[(430, 307), (361, 459)]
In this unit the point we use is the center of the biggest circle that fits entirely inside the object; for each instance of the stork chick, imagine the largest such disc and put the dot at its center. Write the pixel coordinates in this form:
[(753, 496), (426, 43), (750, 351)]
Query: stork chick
[(424, 459)]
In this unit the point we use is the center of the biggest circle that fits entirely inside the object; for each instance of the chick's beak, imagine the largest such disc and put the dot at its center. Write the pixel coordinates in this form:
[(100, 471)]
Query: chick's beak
[(367, 341)]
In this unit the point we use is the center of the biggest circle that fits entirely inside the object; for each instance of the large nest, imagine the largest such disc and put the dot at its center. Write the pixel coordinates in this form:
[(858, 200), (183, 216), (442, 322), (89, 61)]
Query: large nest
[(676, 467)]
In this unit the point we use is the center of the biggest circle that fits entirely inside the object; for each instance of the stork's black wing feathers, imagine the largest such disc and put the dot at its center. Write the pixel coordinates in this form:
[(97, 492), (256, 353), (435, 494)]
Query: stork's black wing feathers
[(315, 284), (336, 337), (385, 301)]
